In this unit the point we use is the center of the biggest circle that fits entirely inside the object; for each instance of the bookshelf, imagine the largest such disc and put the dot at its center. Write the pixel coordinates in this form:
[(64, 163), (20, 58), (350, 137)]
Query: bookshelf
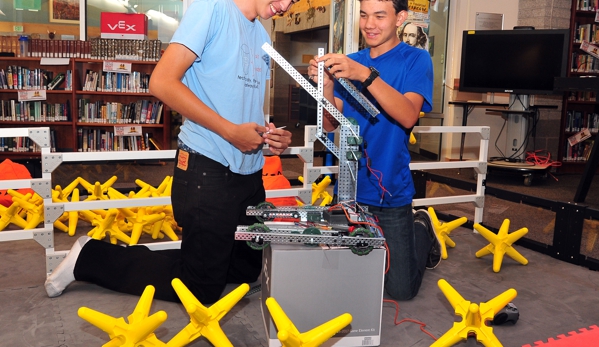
[(580, 108), (75, 107)]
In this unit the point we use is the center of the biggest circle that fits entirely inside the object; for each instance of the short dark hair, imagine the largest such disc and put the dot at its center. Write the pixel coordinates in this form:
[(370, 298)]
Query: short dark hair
[(398, 5)]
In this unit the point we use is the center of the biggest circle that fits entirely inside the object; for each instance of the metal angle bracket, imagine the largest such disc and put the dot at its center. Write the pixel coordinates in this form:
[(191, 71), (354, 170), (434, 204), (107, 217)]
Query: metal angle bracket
[(479, 201), (44, 238), (52, 212), (485, 133), (53, 260), (310, 135), (41, 136), (305, 195), (481, 168), (43, 187), (312, 174), (50, 162), (306, 155)]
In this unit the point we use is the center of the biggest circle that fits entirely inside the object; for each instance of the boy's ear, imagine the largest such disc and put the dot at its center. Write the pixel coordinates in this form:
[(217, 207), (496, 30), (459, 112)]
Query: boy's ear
[(401, 18)]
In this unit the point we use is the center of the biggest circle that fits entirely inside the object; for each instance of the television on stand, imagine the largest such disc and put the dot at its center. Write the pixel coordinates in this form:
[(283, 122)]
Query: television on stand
[(521, 62)]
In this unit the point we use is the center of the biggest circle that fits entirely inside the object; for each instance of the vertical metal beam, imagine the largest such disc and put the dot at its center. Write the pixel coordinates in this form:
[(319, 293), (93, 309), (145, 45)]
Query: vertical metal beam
[(567, 236)]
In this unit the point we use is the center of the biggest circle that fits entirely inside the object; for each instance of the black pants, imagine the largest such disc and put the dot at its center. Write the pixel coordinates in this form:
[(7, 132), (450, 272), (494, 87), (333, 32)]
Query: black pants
[(209, 202)]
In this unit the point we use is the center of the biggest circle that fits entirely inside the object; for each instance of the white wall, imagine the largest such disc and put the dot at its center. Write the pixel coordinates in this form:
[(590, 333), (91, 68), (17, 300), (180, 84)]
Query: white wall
[(462, 17)]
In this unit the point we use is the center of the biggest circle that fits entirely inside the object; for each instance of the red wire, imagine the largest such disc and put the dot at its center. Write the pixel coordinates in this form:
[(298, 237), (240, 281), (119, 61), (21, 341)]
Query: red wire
[(422, 325), (542, 160), (376, 173)]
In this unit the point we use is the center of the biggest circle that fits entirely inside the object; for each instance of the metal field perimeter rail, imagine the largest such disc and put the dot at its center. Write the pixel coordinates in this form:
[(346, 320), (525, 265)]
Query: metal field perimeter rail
[(50, 160), (43, 186)]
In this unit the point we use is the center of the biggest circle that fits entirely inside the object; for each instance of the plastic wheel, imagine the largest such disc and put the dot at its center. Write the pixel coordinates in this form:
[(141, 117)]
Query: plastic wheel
[(268, 206), (311, 231), (361, 248), (258, 242)]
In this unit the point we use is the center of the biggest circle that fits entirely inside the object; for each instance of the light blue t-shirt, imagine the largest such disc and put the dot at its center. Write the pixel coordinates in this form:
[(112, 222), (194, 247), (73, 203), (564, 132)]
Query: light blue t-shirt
[(407, 69), (229, 76)]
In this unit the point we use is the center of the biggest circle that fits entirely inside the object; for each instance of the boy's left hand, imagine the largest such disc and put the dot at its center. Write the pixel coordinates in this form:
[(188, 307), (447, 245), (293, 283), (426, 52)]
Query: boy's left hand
[(278, 140)]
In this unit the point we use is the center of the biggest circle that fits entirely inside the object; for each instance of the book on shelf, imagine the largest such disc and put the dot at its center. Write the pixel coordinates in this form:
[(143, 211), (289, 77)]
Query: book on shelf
[(34, 111), (154, 143), (56, 81), (25, 144), (96, 139)]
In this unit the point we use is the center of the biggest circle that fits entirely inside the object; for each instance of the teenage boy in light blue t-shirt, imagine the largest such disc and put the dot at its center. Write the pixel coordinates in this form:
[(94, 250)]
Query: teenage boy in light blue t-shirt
[(214, 73)]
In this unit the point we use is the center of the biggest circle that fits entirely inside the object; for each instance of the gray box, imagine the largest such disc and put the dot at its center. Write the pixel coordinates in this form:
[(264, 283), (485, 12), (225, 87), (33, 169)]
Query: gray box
[(314, 285)]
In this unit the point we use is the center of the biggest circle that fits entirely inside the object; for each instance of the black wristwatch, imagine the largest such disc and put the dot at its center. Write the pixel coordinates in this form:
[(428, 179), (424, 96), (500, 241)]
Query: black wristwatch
[(374, 73)]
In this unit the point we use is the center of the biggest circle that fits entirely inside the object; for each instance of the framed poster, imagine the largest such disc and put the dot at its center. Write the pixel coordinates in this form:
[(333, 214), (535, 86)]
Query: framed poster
[(31, 5), (64, 11)]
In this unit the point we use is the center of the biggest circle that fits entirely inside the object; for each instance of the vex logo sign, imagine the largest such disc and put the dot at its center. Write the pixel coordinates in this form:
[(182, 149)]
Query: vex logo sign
[(122, 25)]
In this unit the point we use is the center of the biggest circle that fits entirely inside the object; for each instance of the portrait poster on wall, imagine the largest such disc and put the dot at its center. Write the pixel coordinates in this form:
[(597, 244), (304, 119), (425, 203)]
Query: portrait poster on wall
[(414, 30), (64, 11)]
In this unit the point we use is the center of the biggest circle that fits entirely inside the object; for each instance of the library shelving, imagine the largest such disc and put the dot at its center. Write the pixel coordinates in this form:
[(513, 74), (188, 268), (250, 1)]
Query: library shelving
[(89, 97), (580, 109)]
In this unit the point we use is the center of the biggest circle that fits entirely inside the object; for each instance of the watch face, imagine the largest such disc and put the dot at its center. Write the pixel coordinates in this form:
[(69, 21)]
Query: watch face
[(374, 73)]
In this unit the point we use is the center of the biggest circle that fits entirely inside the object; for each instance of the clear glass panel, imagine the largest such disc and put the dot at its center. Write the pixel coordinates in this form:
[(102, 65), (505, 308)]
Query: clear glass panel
[(59, 19), (439, 13), (43, 19), (163, 15)]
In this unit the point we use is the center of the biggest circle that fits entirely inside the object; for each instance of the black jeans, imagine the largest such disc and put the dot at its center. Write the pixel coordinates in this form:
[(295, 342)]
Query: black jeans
[(209, 202)]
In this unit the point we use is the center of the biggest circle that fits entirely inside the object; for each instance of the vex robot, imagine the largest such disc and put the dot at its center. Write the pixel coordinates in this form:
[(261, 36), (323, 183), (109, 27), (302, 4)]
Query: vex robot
[(346, 224)]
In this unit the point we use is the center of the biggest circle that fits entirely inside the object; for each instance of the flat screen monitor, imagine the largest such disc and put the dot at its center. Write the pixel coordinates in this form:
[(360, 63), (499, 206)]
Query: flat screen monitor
[(520, 61)]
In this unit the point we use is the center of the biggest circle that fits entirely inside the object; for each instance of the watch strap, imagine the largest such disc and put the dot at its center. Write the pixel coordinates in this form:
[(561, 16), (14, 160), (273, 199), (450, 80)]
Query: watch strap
[(373, 75)]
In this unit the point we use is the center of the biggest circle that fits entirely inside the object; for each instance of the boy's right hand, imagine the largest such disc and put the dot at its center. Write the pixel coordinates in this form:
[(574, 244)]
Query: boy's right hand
[(246, 137), (313, 73)]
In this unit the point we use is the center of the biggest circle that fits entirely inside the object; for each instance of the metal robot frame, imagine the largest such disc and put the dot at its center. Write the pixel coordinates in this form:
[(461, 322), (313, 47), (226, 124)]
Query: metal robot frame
[(346, 224)]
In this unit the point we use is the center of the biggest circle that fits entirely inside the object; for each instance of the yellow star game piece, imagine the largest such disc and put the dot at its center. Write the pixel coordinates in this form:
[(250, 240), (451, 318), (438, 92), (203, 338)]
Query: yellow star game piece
[(140, 221), (168, 226), (474, 317), (319, 191), (107, 225), (64, 193), (97, 191), (158, 191), (72, 216), (501, 244), (10, 215), (412, 137), (291, 337), (205, 321), (32, 206), (140, 329), (444, 229)]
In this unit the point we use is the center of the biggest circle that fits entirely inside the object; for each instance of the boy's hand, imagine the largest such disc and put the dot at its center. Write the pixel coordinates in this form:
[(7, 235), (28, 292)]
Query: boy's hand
[(278, 139)]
